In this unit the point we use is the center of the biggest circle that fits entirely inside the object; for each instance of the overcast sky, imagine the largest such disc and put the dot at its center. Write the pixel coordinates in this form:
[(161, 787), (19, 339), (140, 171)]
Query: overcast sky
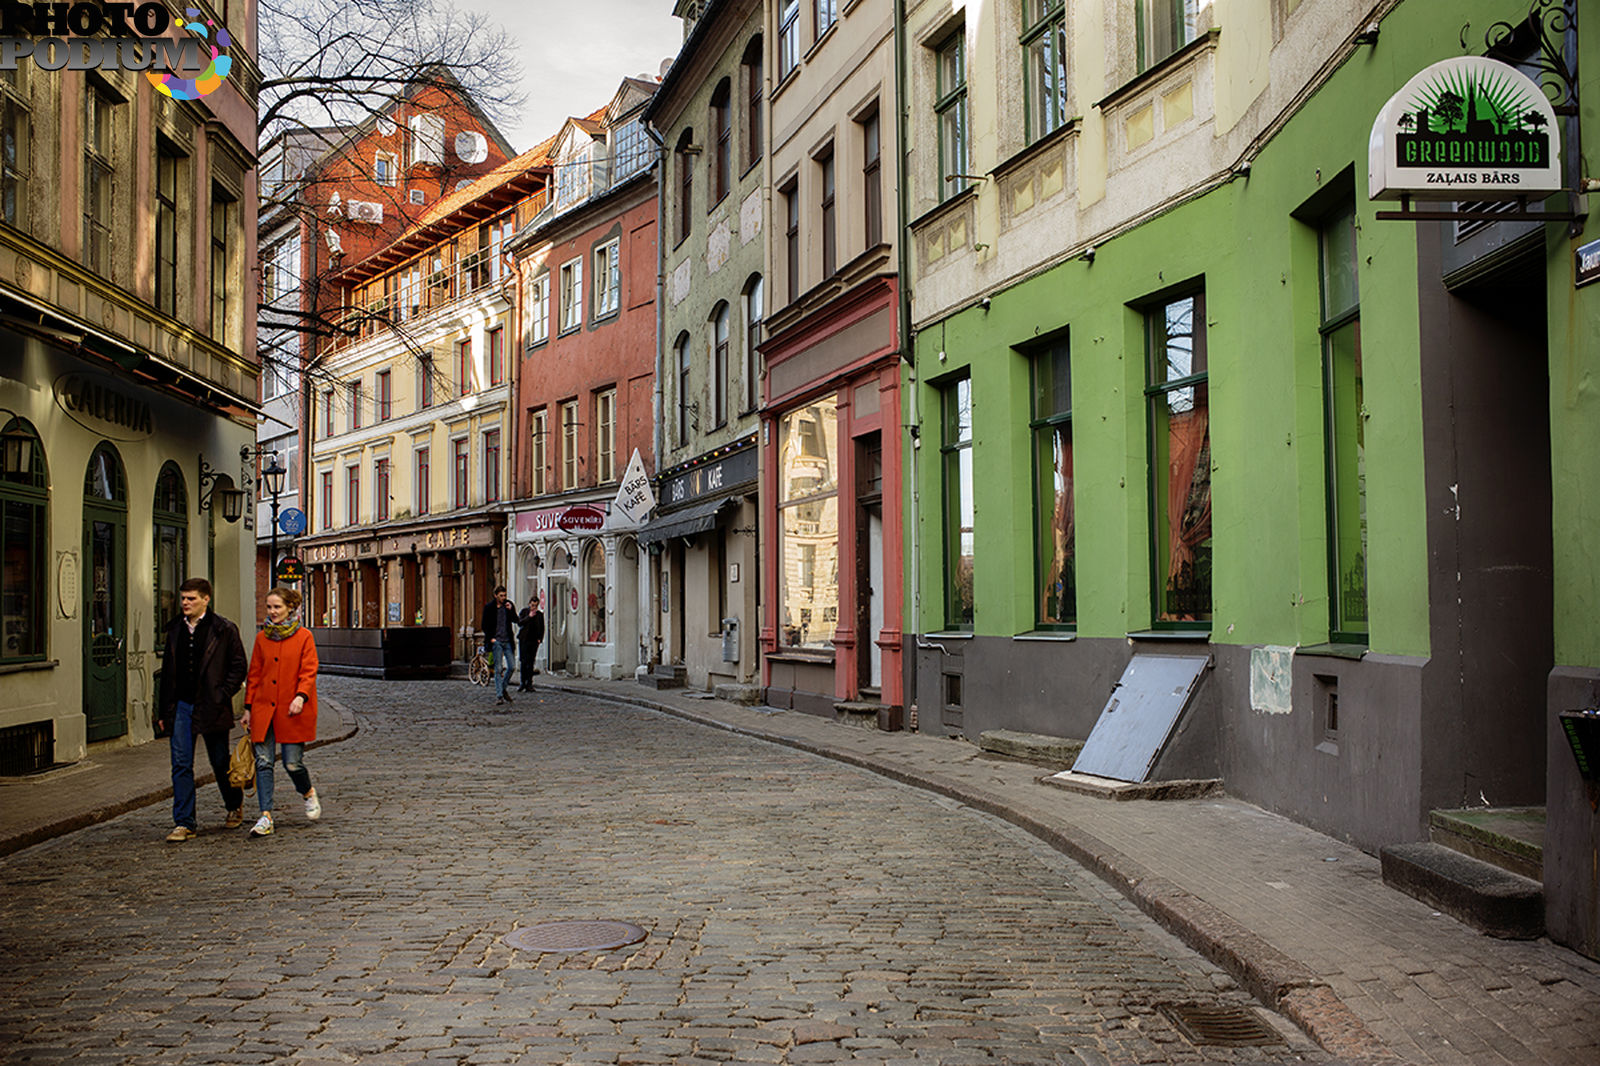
[(576, 52)]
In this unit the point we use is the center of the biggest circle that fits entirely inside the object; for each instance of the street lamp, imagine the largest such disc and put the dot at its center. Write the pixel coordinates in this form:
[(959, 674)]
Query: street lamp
[(273, 473)]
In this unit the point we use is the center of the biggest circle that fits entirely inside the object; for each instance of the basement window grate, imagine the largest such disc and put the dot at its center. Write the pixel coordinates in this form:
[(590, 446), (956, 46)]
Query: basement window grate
[(1220, 1026), (26, 749)]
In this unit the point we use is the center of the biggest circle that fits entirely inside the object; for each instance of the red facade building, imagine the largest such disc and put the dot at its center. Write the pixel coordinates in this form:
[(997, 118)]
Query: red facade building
[(586, 285)]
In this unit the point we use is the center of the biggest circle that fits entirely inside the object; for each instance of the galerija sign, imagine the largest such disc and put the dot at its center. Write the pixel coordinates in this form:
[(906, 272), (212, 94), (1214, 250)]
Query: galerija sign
[(1467, 128)]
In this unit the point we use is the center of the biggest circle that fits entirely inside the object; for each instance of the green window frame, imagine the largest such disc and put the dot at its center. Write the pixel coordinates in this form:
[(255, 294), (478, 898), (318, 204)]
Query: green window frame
[(1044, 66), (950, 111), (24, 553), (1164, 26), (955, 453), (1345, 426), (1055, 541), (1178, 399)]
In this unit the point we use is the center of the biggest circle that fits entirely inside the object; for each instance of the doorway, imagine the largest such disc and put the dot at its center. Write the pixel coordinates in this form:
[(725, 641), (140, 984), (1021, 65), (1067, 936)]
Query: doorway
[(105, 607), (869, 564), (559, 616)]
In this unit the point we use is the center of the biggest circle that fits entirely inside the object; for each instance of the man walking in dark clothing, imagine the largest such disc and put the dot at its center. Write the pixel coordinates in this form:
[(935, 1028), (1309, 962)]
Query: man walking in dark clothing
[(500, 630), (531, 624), (202, 666)]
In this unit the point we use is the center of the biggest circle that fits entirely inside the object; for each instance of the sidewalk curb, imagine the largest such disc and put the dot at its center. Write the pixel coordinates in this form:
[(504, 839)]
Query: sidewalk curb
[(84, 819), (1267, 973)]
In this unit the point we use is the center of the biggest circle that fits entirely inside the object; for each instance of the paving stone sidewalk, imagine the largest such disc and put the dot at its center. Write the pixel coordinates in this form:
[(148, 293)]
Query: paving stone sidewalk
[(1302, 920)]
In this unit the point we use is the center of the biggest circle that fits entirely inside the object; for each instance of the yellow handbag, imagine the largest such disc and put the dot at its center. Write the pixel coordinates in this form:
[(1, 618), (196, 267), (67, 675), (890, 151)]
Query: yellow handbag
[(242, 766)]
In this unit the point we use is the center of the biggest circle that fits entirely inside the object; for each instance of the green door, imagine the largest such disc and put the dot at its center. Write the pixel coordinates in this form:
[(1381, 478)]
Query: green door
[(105, 590)]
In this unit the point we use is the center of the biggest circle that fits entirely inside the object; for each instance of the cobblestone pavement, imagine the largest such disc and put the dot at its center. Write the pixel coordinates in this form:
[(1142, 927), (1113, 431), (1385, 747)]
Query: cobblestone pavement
[(798, 910)]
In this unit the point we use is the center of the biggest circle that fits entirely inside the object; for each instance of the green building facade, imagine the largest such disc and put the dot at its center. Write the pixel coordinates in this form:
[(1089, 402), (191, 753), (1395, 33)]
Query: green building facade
[(1349, 460)]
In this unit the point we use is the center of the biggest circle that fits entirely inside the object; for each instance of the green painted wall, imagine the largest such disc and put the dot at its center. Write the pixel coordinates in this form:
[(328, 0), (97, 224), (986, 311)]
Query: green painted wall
[(1259, 263), (1575, 401)]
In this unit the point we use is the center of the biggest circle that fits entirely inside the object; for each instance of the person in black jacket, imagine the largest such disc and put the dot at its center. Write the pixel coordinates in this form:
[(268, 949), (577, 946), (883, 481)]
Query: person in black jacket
[(499, 628), (531, 625), (202, 666)]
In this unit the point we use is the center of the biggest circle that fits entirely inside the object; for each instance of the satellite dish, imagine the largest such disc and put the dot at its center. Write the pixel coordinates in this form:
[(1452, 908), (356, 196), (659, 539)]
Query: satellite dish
[(463, 183), (385, 126), (471, 146), (666, 64)]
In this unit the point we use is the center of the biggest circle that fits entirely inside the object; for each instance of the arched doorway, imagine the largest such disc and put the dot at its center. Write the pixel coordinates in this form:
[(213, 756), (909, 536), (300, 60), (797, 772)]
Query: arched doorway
[(105, 608)]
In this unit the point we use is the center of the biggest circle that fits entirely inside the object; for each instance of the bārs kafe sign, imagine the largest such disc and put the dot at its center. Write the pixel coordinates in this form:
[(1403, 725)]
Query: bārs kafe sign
[(1467, 128)]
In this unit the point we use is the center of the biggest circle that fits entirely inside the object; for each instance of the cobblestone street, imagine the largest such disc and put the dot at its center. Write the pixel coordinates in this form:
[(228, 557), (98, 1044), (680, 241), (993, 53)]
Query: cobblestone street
[(798, 911)]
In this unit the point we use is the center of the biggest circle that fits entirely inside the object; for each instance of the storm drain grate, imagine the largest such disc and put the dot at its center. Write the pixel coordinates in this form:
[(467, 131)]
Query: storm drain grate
[(1220, 1026), (569, 937)]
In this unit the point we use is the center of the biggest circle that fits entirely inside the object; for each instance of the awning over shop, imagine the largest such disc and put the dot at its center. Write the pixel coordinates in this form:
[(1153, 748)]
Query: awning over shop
[(696, 518)]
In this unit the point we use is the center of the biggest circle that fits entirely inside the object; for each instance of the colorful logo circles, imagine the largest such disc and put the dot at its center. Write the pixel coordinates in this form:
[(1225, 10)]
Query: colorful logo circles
[(208, 80)]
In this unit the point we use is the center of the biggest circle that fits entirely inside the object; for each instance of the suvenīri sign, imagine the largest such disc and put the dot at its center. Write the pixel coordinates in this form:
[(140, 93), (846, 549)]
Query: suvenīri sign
[(1467, 128)]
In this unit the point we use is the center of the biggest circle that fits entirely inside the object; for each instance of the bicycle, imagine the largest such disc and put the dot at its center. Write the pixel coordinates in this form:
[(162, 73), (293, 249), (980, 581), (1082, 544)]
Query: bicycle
[(481, 669)]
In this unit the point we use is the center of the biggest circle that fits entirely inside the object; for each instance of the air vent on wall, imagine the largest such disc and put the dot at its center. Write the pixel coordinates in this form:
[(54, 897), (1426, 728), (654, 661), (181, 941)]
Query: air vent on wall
[(418, 196)]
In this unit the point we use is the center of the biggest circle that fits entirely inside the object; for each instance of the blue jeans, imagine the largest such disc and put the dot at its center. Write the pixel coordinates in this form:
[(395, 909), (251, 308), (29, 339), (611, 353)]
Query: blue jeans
[(292, 754), (502, 666), (183, 767)]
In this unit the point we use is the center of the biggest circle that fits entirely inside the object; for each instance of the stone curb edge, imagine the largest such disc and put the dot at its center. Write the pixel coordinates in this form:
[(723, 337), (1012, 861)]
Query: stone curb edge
[(1267, 973), (83, 819)]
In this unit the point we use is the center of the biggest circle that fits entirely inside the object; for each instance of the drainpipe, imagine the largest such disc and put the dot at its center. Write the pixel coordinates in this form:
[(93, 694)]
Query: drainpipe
[(653, 570), (907, 353)]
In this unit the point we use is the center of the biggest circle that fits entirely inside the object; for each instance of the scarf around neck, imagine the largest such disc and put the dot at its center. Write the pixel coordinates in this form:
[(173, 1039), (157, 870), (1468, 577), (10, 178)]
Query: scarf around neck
[(280, 630)]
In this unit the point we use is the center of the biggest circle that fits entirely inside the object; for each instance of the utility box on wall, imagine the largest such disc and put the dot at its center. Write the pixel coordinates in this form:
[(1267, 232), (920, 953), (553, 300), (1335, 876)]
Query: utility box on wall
[(730, 640)]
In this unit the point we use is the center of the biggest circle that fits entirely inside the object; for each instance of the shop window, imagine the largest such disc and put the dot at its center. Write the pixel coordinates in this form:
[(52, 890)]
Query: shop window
[(808, 525), (1055, 547), (594, 577), (24, 544), (1346, 427), (955, 448), (1180, 461), (170, 515)]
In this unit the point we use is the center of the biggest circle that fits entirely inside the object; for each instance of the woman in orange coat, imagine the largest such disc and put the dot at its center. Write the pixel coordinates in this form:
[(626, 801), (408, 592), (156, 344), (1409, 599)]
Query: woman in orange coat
[(280, 703)]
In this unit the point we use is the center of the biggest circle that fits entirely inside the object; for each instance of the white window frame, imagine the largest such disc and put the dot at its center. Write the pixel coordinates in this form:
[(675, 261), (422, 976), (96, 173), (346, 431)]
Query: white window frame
[(608, 278), (569, 444), (539, 450), (378, 160), (605, 435), (572, 294), (538, 310)]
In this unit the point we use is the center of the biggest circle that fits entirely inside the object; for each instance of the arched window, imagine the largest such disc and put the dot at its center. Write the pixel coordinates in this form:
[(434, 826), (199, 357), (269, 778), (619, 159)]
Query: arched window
[(754, 299), (104, 483), (750, 73), (24, 542), (719, 166), (718, 386), (170, 515), (685, 153), (594, 581)]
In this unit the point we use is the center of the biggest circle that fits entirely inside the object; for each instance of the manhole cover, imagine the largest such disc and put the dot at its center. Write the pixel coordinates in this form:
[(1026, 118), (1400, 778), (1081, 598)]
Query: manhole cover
[(569, 937), (1221, 1026)]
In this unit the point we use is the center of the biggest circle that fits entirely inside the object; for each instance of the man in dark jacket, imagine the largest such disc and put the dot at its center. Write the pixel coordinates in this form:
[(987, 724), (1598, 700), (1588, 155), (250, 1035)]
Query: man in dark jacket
[(531, 625), (499, 628), (202, 666)]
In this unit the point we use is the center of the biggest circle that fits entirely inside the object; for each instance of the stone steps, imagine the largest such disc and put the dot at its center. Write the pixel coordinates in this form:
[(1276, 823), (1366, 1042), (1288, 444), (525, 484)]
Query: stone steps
[(1059, 752), (1492, 900)]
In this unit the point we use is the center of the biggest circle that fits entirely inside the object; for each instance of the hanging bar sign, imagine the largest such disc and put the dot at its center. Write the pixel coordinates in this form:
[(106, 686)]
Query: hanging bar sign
[(1467, 128)]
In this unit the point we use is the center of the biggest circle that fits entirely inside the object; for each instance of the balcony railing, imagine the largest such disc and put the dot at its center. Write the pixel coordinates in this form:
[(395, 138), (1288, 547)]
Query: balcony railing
[(420, 295)]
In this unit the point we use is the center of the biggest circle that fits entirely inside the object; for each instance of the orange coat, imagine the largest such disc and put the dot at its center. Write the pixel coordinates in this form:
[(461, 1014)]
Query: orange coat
[(280, 670)]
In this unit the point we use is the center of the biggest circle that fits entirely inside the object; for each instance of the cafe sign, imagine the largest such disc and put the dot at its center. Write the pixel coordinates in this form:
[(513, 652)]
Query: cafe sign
[(1467, 128)]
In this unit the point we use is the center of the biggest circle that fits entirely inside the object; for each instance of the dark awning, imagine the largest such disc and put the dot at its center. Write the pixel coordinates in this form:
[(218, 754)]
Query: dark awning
[(695, 518)]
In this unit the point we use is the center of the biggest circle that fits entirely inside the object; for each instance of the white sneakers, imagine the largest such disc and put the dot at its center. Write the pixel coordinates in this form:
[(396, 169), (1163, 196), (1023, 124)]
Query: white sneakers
[(313, 806), (263, 826)]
